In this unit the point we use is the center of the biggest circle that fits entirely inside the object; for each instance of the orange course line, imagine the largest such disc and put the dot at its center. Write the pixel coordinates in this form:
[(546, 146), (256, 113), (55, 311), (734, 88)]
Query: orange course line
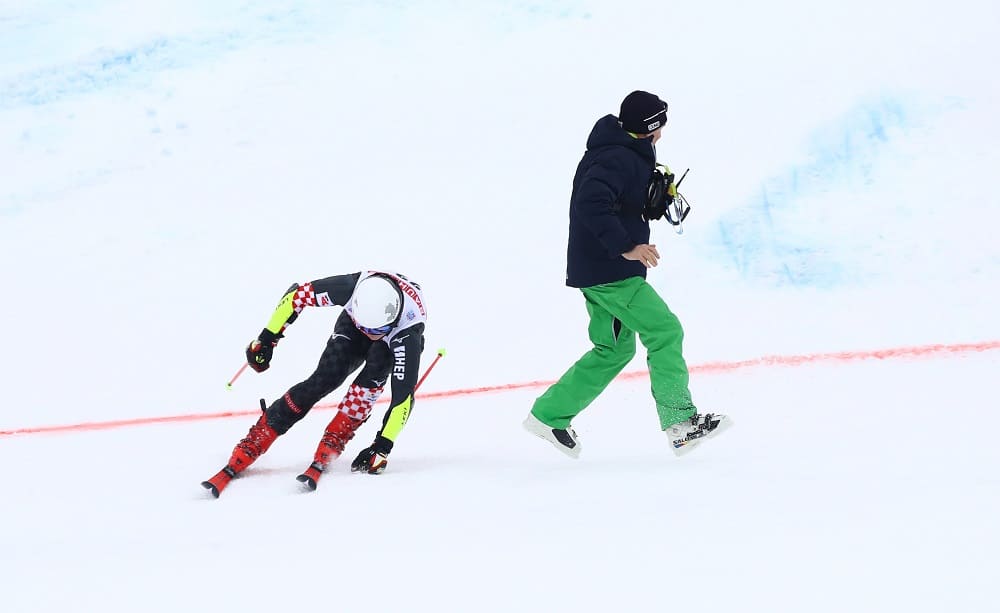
[(707, 368)]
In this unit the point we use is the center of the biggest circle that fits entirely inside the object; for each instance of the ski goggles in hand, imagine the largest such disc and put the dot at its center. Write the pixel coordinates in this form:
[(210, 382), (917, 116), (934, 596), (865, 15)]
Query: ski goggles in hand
[(380, 331)]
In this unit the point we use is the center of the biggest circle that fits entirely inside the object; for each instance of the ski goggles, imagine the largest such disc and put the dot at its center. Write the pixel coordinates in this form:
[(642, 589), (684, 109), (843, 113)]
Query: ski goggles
[(380, 331)]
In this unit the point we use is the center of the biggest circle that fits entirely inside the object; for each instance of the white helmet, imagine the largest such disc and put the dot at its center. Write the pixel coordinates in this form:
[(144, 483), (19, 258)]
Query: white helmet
[(375, 304)]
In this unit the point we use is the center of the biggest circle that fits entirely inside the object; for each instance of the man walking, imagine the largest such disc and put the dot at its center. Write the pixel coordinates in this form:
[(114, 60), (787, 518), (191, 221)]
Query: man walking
[(617, 189)]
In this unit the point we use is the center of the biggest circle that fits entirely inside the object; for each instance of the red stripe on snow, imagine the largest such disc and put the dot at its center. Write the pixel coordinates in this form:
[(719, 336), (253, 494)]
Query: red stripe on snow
[(709, 368)]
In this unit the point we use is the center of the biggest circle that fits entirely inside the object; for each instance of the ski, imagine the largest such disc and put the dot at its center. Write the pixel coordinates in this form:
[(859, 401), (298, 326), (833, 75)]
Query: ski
[(219, 482), (311, 476)]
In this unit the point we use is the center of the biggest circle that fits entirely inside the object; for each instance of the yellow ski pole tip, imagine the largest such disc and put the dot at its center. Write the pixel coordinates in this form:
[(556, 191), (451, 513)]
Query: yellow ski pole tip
[(441, 352), (229, 386)]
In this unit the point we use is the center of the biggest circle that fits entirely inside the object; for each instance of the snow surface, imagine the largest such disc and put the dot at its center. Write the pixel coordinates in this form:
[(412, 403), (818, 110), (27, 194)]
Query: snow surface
[(169, 169)]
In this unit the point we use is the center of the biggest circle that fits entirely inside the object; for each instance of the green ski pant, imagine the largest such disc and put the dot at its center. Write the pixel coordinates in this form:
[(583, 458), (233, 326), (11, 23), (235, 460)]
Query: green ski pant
[(618, 311)]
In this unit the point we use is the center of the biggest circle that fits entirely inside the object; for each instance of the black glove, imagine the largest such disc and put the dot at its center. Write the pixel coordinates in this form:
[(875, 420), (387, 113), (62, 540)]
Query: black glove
[(260, 350), (373, 459)]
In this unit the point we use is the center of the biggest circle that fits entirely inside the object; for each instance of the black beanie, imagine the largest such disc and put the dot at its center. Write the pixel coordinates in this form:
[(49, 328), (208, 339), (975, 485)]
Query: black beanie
[(642, 113)]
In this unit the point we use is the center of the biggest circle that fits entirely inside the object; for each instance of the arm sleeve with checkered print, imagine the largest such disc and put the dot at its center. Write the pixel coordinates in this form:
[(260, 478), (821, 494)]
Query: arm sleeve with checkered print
[(329, 291)]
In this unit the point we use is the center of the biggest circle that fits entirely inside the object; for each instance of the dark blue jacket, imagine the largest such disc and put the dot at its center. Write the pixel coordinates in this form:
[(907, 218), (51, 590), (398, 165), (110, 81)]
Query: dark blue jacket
[(605, 210)]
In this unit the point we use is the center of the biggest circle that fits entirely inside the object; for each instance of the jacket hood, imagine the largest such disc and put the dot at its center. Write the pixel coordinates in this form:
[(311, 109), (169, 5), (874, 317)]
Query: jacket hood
[(607, 133)]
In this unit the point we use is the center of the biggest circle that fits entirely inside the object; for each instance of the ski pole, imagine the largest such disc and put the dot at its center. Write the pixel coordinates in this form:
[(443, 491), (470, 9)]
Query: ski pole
[(440, 354), (229, 386)]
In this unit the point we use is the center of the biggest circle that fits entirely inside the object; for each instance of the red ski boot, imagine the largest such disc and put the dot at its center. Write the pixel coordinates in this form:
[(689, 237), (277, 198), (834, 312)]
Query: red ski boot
[(219, 482), (257, 441), (338, 433)]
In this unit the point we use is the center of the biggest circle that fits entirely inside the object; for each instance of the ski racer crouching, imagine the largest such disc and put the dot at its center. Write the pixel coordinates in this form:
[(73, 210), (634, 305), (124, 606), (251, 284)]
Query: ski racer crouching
[(381, 327)]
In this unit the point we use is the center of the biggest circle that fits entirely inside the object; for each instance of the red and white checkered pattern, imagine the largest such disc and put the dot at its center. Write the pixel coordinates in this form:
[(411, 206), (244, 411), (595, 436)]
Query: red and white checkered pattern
[(358, 401), (304, 296)]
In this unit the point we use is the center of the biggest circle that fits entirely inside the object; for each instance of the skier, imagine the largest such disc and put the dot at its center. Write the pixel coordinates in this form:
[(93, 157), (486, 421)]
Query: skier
[(617, 189), (381, 327)]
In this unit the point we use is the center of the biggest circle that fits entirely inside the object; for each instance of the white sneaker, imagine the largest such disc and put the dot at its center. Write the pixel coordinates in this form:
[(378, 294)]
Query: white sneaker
[(563, 440), (686, 435)]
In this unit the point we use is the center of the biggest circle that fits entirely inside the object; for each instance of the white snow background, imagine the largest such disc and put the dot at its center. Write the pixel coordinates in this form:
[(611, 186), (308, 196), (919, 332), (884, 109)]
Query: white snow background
[(167, 169)]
